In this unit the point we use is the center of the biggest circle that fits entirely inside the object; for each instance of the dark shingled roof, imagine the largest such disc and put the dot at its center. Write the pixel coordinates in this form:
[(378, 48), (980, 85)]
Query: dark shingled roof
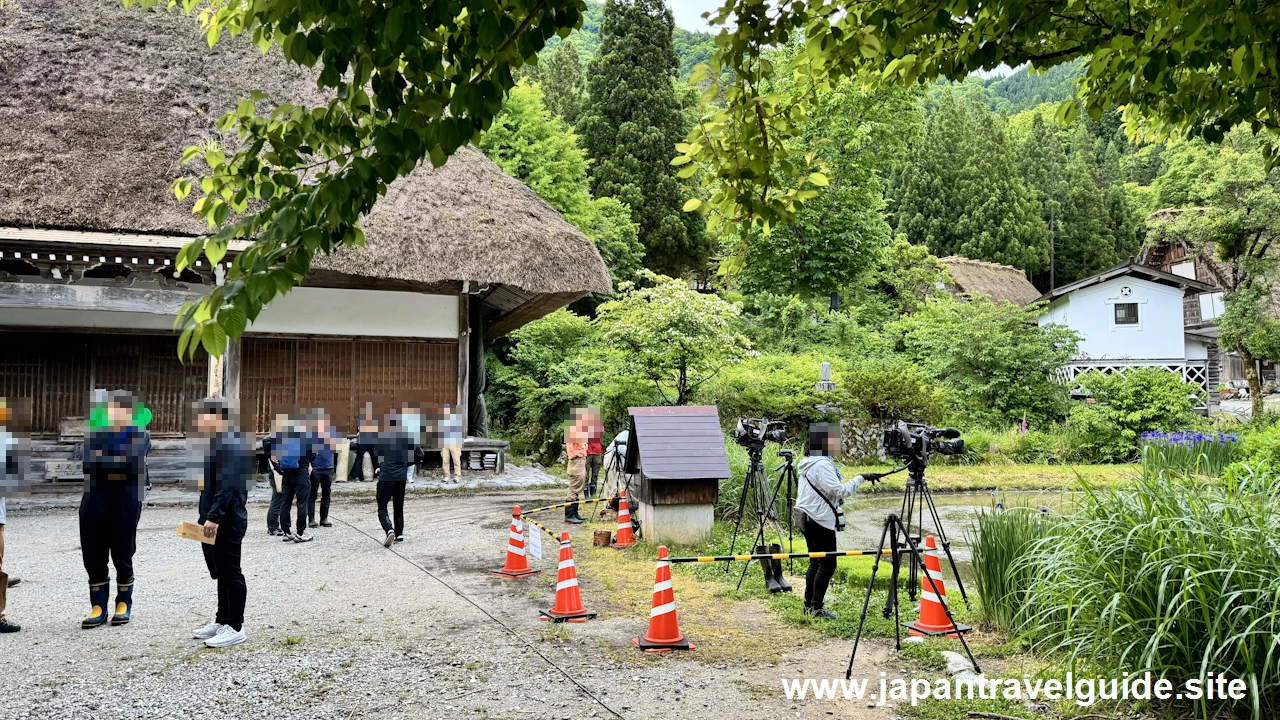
[(999, 282), (98, 101), (677, 443)]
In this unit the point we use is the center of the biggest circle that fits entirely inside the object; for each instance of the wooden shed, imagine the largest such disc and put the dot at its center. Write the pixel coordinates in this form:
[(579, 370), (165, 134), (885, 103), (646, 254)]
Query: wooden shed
[(679, 456), (97, 102)]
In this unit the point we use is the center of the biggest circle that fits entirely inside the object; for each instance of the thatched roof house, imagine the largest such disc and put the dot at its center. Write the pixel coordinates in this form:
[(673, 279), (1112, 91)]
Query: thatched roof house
[(97, 103), (999, 282)]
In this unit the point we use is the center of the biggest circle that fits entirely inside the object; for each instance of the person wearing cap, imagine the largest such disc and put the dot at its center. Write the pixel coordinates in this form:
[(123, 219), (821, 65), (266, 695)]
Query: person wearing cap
[(395, 450), (115, 471), (225, 470)]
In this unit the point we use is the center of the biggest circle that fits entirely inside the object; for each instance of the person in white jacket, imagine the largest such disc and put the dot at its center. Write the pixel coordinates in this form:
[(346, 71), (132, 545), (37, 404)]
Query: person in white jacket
[(821, 491)]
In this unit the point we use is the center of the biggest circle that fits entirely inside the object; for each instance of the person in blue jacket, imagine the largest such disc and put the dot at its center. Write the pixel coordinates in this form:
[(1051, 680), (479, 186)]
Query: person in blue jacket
[(324, 441), (225, 471), (293, 454), (115, 473)]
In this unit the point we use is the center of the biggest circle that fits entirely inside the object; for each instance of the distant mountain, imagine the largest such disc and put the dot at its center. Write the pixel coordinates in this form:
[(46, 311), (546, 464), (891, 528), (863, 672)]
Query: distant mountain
[(691, 47), (1023, 90)]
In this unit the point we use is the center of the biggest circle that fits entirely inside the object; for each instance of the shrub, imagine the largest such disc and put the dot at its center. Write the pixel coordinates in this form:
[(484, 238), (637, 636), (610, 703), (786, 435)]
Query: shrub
[(1174, 575), (887, 389), (781, 387), (1098, 437), (994, 359), (1034, 446), (1142, 399)]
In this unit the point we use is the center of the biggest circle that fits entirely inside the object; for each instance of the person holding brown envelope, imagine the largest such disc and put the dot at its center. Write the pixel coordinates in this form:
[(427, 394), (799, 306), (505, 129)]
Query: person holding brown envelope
[(225, 471)]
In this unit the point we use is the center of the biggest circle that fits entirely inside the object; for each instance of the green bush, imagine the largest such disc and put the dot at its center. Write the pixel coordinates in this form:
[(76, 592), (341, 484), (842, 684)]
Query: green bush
[(998, 539), (1174, 575), (888, 389), (780, 387), (1142, 399), (1097, 437)]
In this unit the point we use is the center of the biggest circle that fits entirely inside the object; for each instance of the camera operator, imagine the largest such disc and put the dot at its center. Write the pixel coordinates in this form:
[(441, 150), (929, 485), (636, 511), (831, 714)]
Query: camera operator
[(817, 511)]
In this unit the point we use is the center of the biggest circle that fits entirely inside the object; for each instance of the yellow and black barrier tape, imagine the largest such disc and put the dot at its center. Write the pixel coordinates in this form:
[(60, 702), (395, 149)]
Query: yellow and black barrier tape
[(782, 556), (541, 527), (567, 504)]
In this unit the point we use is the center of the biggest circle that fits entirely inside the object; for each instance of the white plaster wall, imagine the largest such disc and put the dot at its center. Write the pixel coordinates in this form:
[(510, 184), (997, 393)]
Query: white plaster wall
[(1196, 350), (303, 311), (375, 313), (687, 524), (1091, 312)]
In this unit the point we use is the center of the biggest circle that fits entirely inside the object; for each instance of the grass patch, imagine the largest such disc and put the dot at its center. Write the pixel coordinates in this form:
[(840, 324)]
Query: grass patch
[(966, 478), (960, 709)]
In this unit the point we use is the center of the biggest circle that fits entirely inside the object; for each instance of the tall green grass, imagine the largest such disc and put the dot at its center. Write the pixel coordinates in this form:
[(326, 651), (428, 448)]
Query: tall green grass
[(998, 539), (1176, 575)]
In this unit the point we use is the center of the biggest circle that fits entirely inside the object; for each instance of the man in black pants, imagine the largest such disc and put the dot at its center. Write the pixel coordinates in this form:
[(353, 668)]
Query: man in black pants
[(274, 476), (821, 491), (366, 443), (324, 440), (226, 471), (294, 458), (395, 452)]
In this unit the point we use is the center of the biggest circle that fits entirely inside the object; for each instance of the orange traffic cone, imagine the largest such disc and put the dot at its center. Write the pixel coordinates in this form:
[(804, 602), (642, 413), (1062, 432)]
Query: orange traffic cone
[(664, 635), (624, 539), (517, 565), (568, 605), (933, 614)]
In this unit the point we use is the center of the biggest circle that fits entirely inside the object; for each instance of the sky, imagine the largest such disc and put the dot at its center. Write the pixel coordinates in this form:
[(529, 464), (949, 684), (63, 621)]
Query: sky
[(689, 13)]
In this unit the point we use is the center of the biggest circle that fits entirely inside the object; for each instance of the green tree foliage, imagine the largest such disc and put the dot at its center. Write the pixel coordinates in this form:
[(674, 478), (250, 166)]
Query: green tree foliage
[(1141, 399), (887, 389), (630, 125), (691, 47), (538, 149), (1027, 88), (835, 237), (1195, 68), (903, 278), (993, 358), (409, 81), (671, 337), (959, 191), (562, 85)]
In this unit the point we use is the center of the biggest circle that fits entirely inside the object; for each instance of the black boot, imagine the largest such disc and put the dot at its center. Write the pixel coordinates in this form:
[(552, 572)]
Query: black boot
[(767, 566), (778, 576), (591, 490), (571, 514), (99, 593), (124, 604)]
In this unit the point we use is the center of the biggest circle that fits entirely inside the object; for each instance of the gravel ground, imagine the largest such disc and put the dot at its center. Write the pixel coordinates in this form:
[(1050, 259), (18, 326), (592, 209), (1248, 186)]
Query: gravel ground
[(343, 628)]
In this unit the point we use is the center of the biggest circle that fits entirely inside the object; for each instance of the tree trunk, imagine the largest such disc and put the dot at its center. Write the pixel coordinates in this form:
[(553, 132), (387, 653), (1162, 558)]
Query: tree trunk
[(1251, 375)]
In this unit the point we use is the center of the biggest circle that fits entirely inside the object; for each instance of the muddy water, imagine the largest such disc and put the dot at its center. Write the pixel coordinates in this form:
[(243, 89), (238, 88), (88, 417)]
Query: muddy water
[(865, 514)]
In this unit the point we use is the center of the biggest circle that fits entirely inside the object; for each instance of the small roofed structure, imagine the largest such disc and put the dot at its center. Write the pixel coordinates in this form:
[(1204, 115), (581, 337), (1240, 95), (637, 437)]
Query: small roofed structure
[(999, 282), (680, 458), (97, 103)]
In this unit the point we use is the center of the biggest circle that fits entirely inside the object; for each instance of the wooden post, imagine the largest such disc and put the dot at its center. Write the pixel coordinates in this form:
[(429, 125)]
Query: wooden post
[(224, 373), (464, 358)]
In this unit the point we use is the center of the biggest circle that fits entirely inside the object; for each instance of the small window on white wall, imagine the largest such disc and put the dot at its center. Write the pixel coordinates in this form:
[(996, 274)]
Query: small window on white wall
[(1126, 313)]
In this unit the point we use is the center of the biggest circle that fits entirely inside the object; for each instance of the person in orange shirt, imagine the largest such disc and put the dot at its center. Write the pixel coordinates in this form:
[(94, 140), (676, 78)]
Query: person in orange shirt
[(575, 445)]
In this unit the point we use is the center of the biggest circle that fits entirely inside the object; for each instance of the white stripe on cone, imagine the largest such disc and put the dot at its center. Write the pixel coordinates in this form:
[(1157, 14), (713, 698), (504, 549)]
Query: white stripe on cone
[(515, 550), (662, 609), (571, 582), (926, 595), (565, 564), (664, 585)]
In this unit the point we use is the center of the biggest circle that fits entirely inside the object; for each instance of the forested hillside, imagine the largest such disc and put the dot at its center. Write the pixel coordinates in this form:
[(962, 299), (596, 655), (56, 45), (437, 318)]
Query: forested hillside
[(691, 47)]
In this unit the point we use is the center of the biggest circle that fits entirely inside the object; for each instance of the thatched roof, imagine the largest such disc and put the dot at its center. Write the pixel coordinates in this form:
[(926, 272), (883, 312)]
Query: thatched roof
[(999, 282), (98, 101)]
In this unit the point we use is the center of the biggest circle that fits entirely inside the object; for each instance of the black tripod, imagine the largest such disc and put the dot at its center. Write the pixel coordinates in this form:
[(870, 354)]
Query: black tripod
[(764, 502), (616, 465), (896, 536), (916, 499)]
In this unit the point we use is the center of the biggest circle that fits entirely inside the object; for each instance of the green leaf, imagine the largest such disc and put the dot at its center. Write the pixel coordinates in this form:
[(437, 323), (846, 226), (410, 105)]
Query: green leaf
[(214, 338), (819, 179), (692, 204)]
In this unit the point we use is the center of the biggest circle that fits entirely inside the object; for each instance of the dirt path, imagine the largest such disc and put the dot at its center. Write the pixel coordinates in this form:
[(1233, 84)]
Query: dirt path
[(341, 627)]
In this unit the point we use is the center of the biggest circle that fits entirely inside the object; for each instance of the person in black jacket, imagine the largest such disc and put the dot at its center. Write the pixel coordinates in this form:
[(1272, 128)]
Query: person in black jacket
[(115, 474), (395, 450), (224, 466)]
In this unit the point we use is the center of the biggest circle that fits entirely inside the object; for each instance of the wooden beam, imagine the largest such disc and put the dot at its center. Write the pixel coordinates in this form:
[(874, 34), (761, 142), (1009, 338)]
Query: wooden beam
[(464, 360), (40, 296)]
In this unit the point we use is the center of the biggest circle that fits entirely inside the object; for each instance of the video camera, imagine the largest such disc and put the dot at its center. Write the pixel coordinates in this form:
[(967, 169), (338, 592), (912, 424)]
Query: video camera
[(914, 442), (753, 433)]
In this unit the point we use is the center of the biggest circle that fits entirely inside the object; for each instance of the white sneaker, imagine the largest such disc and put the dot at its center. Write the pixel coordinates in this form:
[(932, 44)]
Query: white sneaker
[(207, 631), (225, 638)]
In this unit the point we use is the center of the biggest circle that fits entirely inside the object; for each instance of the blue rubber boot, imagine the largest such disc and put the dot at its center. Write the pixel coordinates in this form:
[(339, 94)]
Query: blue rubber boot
[(124, 603), (99, 593)]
